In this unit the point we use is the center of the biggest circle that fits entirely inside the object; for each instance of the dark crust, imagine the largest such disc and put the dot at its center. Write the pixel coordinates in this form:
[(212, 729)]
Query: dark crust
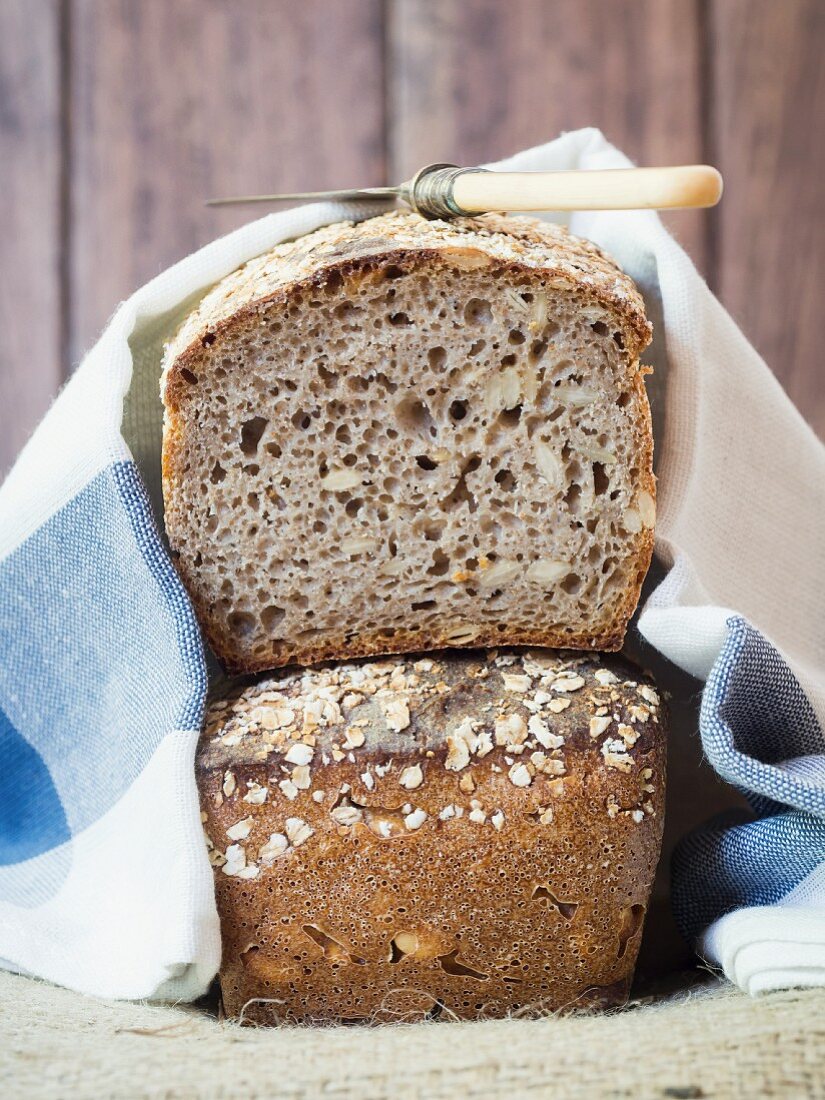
[(463, 693), (200, 352), (600, 868), (578, 262)]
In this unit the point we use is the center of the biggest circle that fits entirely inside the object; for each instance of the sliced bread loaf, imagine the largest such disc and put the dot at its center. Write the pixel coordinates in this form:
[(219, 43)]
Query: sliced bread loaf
[(406, 434)]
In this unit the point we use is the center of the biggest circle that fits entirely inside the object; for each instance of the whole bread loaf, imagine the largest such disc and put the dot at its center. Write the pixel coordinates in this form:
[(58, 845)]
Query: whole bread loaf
[(406, 434), (468, 832)]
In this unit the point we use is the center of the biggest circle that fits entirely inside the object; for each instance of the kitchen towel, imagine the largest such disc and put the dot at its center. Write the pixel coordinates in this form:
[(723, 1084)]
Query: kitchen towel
[(104, 882)]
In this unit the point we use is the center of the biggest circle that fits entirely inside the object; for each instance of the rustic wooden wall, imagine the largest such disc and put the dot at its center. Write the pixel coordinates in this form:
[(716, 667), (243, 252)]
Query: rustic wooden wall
[(118, 116)]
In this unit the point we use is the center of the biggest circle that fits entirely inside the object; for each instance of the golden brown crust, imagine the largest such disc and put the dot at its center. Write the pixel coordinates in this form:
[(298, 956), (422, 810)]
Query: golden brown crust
[(472, 831), (511, 244), (516, 243)]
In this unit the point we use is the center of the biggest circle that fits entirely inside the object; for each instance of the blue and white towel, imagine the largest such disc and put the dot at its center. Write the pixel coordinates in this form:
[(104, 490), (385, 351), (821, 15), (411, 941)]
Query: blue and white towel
[(104, 882)]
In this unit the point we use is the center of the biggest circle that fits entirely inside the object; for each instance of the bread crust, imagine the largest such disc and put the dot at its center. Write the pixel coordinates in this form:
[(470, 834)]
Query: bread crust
[(516, 243), (510, 244), (505, 893)]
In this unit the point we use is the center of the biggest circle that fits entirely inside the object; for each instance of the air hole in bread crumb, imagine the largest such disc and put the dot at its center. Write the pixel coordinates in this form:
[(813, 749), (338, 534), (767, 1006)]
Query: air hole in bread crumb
[(271, 616), (328, 377), (600, 328), (509, 418), (386, 383), (332, 949), (544, 894), (450, 965), (571, 584), (436, 357), (458, 409), (241, 623), (401, 945), (414, 415), (425, 462), (346, 310), (601, 482), (188, 376), (441, 564), (572, 498), (251, 432), (478, 312), (506, 480), (218, 474), (423, 605)]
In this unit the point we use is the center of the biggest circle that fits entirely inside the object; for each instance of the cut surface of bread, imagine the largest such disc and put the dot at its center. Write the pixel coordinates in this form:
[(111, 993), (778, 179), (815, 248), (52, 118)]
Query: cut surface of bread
[(468, 832), (406, 434)]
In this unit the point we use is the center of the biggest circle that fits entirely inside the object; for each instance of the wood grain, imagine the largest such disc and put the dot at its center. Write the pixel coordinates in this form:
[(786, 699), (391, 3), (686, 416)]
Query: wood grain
[(175, 102), (475, 80), (30, 302), (769, 137)]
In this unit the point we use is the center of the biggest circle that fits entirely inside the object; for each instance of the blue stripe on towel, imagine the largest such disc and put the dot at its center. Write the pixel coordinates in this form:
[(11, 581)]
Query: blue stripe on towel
[(100, 658), (734, 861), (760, 733)]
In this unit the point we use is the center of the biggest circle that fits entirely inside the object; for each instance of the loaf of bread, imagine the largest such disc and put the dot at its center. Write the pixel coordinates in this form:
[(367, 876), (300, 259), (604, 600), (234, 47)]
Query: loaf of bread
[(404, 434), (474, 833)]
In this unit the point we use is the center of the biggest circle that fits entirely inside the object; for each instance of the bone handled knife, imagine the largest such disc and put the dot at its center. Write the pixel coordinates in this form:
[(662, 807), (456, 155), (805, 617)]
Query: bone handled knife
[(447, 191)]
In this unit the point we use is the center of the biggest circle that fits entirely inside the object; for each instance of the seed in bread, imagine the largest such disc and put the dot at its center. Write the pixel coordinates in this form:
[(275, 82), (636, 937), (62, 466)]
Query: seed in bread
[(405, 434), (493, 855)]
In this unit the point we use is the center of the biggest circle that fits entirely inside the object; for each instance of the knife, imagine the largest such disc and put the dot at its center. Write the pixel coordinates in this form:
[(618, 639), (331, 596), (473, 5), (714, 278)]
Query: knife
[(447, 191)]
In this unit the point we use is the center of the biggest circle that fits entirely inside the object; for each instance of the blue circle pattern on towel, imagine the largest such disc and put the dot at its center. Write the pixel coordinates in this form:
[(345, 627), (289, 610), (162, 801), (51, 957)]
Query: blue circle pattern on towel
[(32, 818)]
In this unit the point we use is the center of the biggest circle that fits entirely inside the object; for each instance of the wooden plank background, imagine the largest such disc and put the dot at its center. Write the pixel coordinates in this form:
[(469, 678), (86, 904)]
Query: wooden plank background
[(117, 117)]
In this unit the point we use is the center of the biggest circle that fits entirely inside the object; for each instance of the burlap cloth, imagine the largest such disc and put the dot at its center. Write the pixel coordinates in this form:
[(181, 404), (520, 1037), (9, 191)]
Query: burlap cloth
[(710, 1042)]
